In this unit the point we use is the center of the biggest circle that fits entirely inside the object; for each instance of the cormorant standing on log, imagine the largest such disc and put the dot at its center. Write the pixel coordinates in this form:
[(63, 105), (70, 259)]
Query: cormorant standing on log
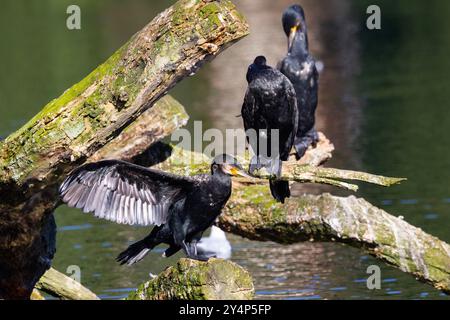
[(181, 208), (300, 67), (270, 104)]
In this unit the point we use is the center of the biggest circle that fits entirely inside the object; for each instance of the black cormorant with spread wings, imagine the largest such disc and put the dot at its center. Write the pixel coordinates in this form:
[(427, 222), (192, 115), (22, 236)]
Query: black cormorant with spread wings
[(270, 104), (181, 208), (300, 67)]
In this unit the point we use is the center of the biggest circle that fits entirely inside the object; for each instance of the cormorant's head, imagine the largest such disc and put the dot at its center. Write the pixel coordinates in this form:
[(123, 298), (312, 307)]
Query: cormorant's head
[(294, 22), (227, 164), (258, 64), (260, 61)]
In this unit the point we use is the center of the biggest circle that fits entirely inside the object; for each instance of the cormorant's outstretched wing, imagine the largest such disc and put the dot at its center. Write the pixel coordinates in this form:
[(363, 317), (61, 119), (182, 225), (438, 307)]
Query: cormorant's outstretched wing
[(123, 192)]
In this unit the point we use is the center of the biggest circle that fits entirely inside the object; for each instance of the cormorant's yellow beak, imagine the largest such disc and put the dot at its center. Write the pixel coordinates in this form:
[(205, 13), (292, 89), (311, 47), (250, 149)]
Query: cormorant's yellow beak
[(236, 171), (292, 36)]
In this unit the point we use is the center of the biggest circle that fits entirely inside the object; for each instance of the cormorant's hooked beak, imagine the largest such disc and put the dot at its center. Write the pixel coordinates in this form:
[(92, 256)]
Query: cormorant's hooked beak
[(235, 171), (292, 35)]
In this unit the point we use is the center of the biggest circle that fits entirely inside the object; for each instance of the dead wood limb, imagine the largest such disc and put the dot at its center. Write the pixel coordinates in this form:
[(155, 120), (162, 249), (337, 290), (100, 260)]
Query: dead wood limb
[(253, 214), (61, 286)]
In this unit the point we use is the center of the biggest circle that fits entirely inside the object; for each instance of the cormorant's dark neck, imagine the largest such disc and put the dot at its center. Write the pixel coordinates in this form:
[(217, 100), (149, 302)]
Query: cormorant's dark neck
[(299, 47), (221, 177), (221, 184), (253, 74), (261, 68)]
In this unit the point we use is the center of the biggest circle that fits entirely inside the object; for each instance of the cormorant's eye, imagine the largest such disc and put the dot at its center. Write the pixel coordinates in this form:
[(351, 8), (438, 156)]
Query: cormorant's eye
[(215, 166)]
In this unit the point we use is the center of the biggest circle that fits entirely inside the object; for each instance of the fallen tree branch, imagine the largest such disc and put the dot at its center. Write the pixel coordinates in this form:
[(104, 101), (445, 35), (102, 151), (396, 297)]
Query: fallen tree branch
[(252, 213), (330, 173), (71, 128), (215, 279), (307, 170), (61, 286), (166, 116), (174, 45)]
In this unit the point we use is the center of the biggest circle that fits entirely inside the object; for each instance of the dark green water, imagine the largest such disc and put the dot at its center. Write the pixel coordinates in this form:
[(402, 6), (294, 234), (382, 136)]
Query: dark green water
[(384, 97)]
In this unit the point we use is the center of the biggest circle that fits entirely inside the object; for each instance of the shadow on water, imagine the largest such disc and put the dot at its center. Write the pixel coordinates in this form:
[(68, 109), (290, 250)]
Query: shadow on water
[(382, 102)]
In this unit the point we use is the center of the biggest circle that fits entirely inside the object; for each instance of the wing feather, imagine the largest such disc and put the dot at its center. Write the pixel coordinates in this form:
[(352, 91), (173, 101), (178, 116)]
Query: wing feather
[(248, 110), (123, 193)]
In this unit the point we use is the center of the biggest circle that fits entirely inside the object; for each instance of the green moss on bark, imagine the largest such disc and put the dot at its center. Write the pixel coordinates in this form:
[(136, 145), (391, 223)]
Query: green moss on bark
[(215, 279), (134, 77)]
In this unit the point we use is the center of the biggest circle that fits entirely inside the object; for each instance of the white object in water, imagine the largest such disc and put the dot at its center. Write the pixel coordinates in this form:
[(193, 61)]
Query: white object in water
[(320, 66), (216, 244)]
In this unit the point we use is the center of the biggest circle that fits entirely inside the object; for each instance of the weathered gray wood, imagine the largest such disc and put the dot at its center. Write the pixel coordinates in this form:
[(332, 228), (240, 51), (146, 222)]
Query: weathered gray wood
[(253, 214), (61, 286)]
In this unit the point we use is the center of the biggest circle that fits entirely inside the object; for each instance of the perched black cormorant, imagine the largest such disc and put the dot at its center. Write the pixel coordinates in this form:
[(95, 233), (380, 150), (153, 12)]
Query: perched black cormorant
[(270, 103), (300, 68), (181, 208)]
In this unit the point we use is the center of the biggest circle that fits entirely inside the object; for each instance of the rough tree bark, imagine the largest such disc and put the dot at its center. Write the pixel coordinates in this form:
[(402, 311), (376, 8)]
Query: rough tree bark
[(252, 214), (195, 280), (63, 287), (165, 117), (71, 128)]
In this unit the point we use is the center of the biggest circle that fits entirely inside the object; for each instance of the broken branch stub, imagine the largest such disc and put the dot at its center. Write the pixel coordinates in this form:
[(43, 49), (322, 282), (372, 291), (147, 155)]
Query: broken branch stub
[(61, 286)]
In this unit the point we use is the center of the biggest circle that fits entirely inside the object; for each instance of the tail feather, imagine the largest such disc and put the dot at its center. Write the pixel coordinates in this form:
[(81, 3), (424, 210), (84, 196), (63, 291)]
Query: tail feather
[(301, 144), (134, 253), (301, 147), (280, 190)]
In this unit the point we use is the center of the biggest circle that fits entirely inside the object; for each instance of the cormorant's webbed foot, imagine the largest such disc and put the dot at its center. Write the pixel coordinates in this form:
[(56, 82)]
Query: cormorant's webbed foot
[(199, 257), (302, 144), (314, 136), (301, 147), (191, 251), (255, 164), (274, 167)]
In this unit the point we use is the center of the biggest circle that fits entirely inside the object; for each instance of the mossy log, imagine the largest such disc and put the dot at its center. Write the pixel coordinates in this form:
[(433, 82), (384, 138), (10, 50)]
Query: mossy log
[(215, 279), (252, 213), (73, 127), (166, 116), (61, 286)]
